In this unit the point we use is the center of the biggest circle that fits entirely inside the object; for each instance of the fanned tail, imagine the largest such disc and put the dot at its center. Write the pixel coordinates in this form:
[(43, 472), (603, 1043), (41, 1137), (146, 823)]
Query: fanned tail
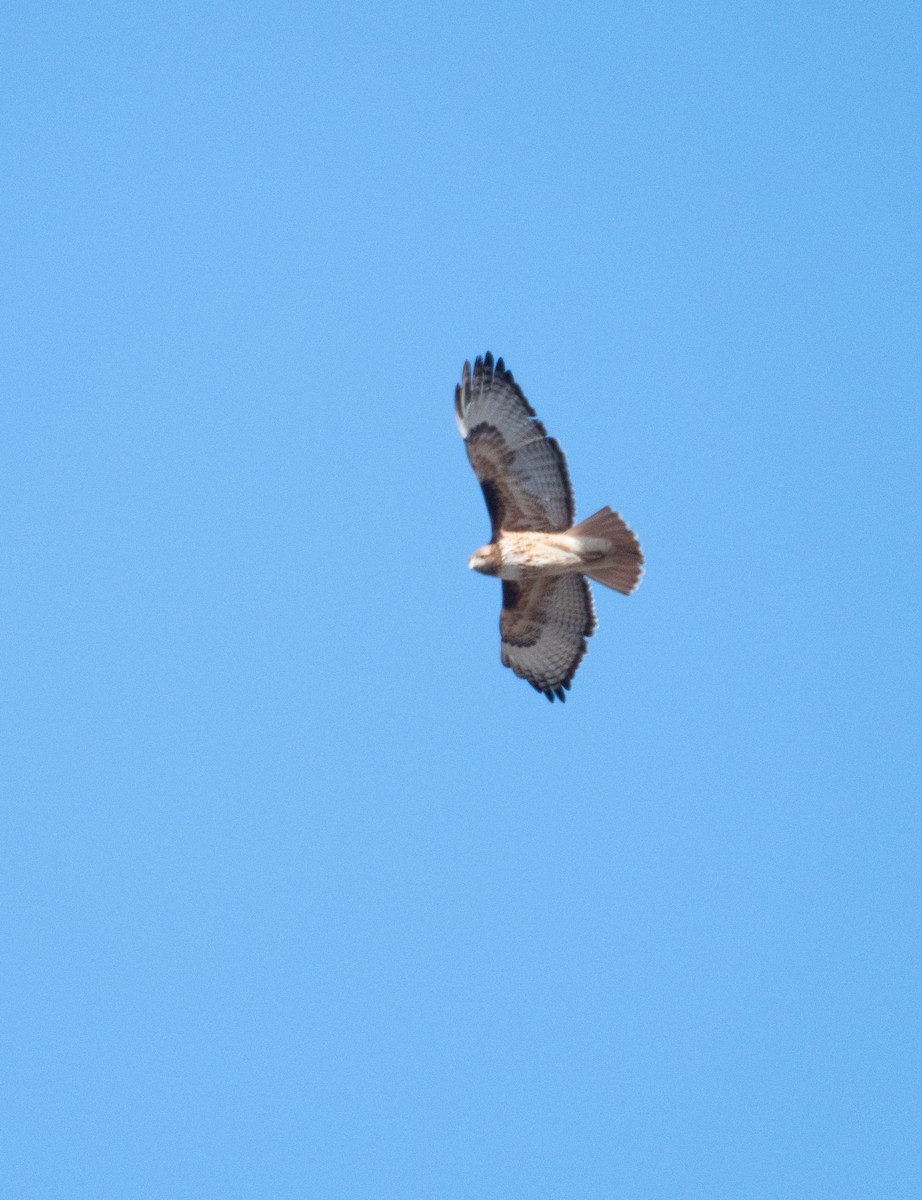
[(615, 558)]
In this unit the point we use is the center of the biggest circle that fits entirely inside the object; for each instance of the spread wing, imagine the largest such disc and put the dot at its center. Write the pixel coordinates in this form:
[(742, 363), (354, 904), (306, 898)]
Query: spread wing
[(523, 472), (544, 626)]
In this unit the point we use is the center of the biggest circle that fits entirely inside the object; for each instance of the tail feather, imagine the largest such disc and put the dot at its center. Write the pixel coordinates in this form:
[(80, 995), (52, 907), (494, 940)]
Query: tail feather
[(619, 565)]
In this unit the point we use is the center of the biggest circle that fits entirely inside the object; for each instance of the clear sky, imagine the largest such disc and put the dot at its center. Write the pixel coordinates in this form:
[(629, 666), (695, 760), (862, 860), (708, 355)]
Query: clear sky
[(303, 895)]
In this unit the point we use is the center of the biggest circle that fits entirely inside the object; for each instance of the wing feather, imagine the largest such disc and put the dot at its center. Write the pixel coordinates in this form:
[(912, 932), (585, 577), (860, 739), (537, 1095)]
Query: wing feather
[(523, 472), (544, 625)]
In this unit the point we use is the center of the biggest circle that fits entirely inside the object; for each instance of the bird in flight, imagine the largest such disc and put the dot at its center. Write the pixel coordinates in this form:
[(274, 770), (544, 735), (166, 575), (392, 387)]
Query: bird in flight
[(541, 557)]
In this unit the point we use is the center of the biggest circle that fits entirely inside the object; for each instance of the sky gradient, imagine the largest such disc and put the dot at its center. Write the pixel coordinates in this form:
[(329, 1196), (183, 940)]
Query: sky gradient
[(303, 894)]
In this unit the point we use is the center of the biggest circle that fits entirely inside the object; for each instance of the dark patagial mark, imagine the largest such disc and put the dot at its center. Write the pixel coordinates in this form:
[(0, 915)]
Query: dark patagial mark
[(494, 506), (511, 593)]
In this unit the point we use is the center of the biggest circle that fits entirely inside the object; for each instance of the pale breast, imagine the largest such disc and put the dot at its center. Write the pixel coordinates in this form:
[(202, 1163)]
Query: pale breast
[(524, 554)]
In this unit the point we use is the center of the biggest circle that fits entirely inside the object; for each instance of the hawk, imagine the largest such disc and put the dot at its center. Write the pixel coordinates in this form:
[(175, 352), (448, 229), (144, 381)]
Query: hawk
[(541, 557)]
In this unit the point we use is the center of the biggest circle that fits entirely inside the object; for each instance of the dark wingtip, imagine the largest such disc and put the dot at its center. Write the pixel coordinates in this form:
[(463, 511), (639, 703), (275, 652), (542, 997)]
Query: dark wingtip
[(502, 372)]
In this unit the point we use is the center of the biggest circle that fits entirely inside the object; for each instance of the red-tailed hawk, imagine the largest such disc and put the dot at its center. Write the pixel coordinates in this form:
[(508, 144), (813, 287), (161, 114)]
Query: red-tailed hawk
[(536, 550)]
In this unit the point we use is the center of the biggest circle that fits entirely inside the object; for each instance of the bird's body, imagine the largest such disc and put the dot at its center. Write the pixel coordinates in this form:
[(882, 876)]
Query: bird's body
[(531, 555), (536, 550)]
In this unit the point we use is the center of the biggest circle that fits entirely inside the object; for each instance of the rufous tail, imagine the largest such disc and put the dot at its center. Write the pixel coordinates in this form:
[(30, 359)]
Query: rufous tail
[(620, 566)]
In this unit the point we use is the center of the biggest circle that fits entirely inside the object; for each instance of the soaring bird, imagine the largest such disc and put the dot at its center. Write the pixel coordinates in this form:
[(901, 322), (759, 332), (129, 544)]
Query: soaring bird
[(541, 557)]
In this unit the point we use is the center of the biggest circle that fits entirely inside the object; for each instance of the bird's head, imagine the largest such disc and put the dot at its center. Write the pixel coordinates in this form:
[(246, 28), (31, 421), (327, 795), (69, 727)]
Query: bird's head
[(485, 560)]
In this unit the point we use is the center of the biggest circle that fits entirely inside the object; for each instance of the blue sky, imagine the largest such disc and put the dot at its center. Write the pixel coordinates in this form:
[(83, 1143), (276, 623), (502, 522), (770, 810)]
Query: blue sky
[(302, 893)]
